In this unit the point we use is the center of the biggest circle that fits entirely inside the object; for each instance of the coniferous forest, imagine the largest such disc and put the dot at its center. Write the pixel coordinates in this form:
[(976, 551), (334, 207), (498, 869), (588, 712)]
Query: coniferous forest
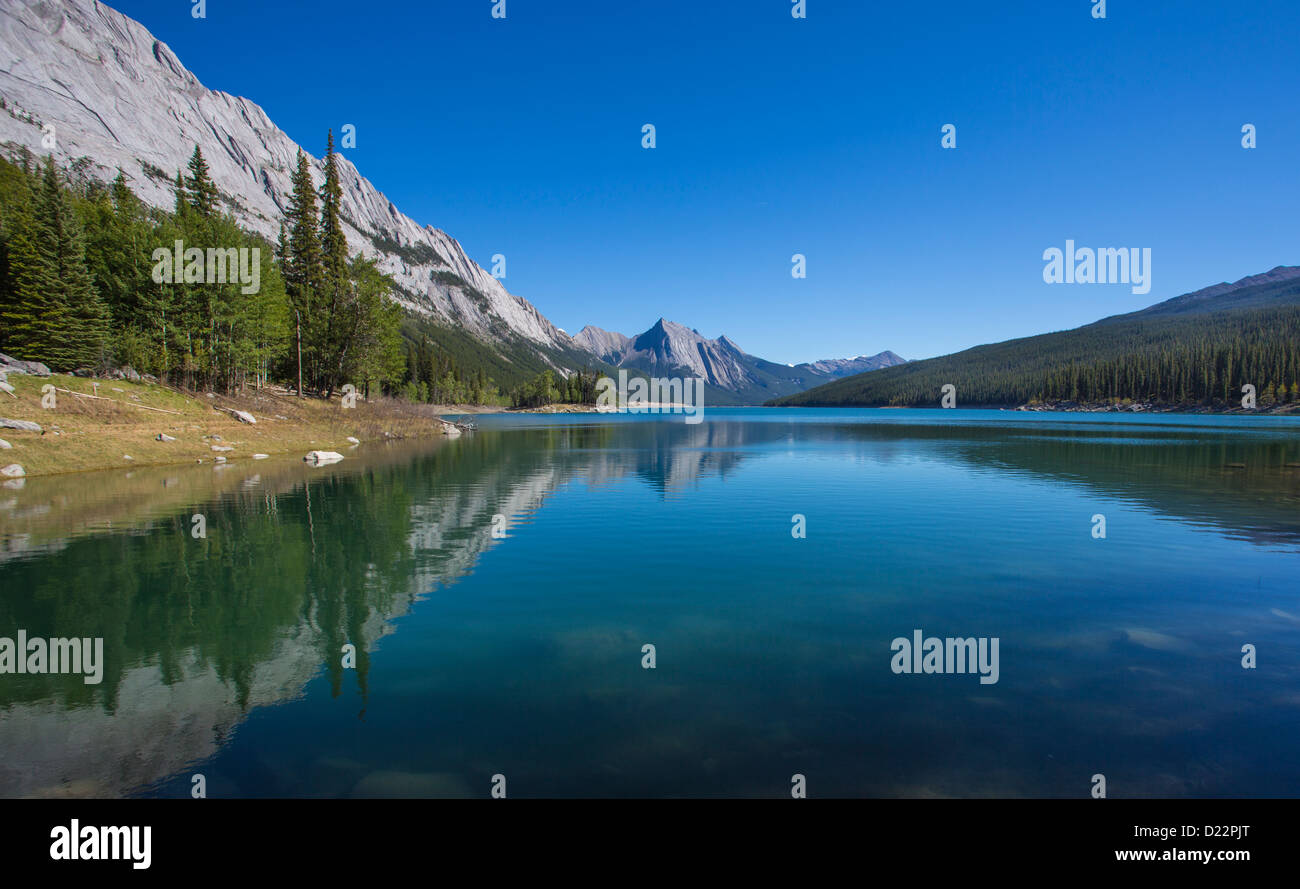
[(80, 287), (79, 291), (1185, 360)]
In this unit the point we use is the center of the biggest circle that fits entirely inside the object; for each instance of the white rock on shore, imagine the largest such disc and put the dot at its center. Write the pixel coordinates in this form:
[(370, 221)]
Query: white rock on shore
[(320, 458), (13, 470)]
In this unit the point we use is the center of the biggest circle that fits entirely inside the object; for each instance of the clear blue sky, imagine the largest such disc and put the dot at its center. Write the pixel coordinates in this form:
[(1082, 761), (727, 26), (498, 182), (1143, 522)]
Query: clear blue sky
[(778, 136)]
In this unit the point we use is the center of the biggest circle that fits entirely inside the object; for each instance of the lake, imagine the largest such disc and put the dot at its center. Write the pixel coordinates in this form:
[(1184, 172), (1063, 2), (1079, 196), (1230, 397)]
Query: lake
[(522, 653)]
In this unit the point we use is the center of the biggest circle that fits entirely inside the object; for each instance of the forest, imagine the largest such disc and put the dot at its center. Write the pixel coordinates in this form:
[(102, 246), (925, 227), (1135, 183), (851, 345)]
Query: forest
[(84, 289), (1192, 359)]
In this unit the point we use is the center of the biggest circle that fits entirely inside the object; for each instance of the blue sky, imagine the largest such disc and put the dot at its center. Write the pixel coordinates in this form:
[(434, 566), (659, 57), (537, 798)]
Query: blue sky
[(779, 136)]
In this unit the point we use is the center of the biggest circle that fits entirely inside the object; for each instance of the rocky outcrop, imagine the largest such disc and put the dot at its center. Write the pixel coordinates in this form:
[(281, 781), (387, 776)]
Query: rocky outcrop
[(17, 366), (120, 98)]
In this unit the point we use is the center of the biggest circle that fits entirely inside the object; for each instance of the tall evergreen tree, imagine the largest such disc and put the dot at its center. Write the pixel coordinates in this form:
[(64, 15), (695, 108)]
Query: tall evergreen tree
[(337, 289), (182, 197), (202, 191), (303, 271), (56, 315), (30, 318)]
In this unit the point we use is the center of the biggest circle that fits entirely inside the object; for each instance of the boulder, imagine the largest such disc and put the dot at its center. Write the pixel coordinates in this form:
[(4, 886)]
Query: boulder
[(5, 387), (13, 470), (320, 458), (16, 366), (222, 448), (163, 436), (449, 429), (245, 417), (355, 441), (24, 425), (4, 445), (260, 456)]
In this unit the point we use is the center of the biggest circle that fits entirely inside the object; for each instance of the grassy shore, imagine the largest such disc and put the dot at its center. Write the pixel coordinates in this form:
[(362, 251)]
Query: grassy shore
[(120, 427)]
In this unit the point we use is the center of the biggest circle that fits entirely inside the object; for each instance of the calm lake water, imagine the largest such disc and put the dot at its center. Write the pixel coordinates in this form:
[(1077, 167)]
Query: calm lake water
[(522, 656)]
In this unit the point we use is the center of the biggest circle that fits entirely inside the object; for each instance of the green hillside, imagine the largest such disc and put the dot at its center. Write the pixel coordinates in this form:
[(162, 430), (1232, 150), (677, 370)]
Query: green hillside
[(1197, 349)]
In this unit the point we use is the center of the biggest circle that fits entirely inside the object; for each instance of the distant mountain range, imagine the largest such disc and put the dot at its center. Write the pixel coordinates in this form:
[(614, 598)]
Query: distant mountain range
[(1200, 348), (732, 375)]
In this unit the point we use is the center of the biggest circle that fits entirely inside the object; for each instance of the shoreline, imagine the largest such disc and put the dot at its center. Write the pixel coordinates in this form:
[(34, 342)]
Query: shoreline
[(122, 424), (107, 424)]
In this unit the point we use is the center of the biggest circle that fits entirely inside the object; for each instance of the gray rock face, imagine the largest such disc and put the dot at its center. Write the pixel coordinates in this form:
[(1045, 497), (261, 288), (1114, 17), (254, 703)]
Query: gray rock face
[(119, 97), (16, 366), (847, 367), (669, 349), (607, 345)]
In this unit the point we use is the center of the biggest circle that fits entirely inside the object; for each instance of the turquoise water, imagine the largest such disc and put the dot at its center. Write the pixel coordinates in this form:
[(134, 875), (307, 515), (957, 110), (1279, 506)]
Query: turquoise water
[(522, 656)]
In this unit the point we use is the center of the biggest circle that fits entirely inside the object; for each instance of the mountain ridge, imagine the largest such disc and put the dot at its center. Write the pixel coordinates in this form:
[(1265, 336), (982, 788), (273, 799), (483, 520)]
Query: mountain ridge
[(671, 349), (1197, 348), (117, 97)]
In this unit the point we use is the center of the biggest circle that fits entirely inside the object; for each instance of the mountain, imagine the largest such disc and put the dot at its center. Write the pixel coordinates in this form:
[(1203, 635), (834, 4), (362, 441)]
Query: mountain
[(118, 98), (733, 376), (1269, 288), (1200, 348)]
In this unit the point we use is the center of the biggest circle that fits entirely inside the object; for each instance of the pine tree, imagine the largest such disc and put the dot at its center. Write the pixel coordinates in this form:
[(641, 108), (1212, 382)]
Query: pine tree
[(337, 284), (86, 336), (203, 194), (182, 197), (54, 314), (303, 272), (29, 317)]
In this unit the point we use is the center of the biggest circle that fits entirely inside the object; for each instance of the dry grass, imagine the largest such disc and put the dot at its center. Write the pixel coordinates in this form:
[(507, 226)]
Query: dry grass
[(82, 433)]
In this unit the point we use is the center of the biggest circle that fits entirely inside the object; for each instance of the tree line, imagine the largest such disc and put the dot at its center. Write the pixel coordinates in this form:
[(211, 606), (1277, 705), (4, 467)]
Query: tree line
[(84, 284), (1201, 359)]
